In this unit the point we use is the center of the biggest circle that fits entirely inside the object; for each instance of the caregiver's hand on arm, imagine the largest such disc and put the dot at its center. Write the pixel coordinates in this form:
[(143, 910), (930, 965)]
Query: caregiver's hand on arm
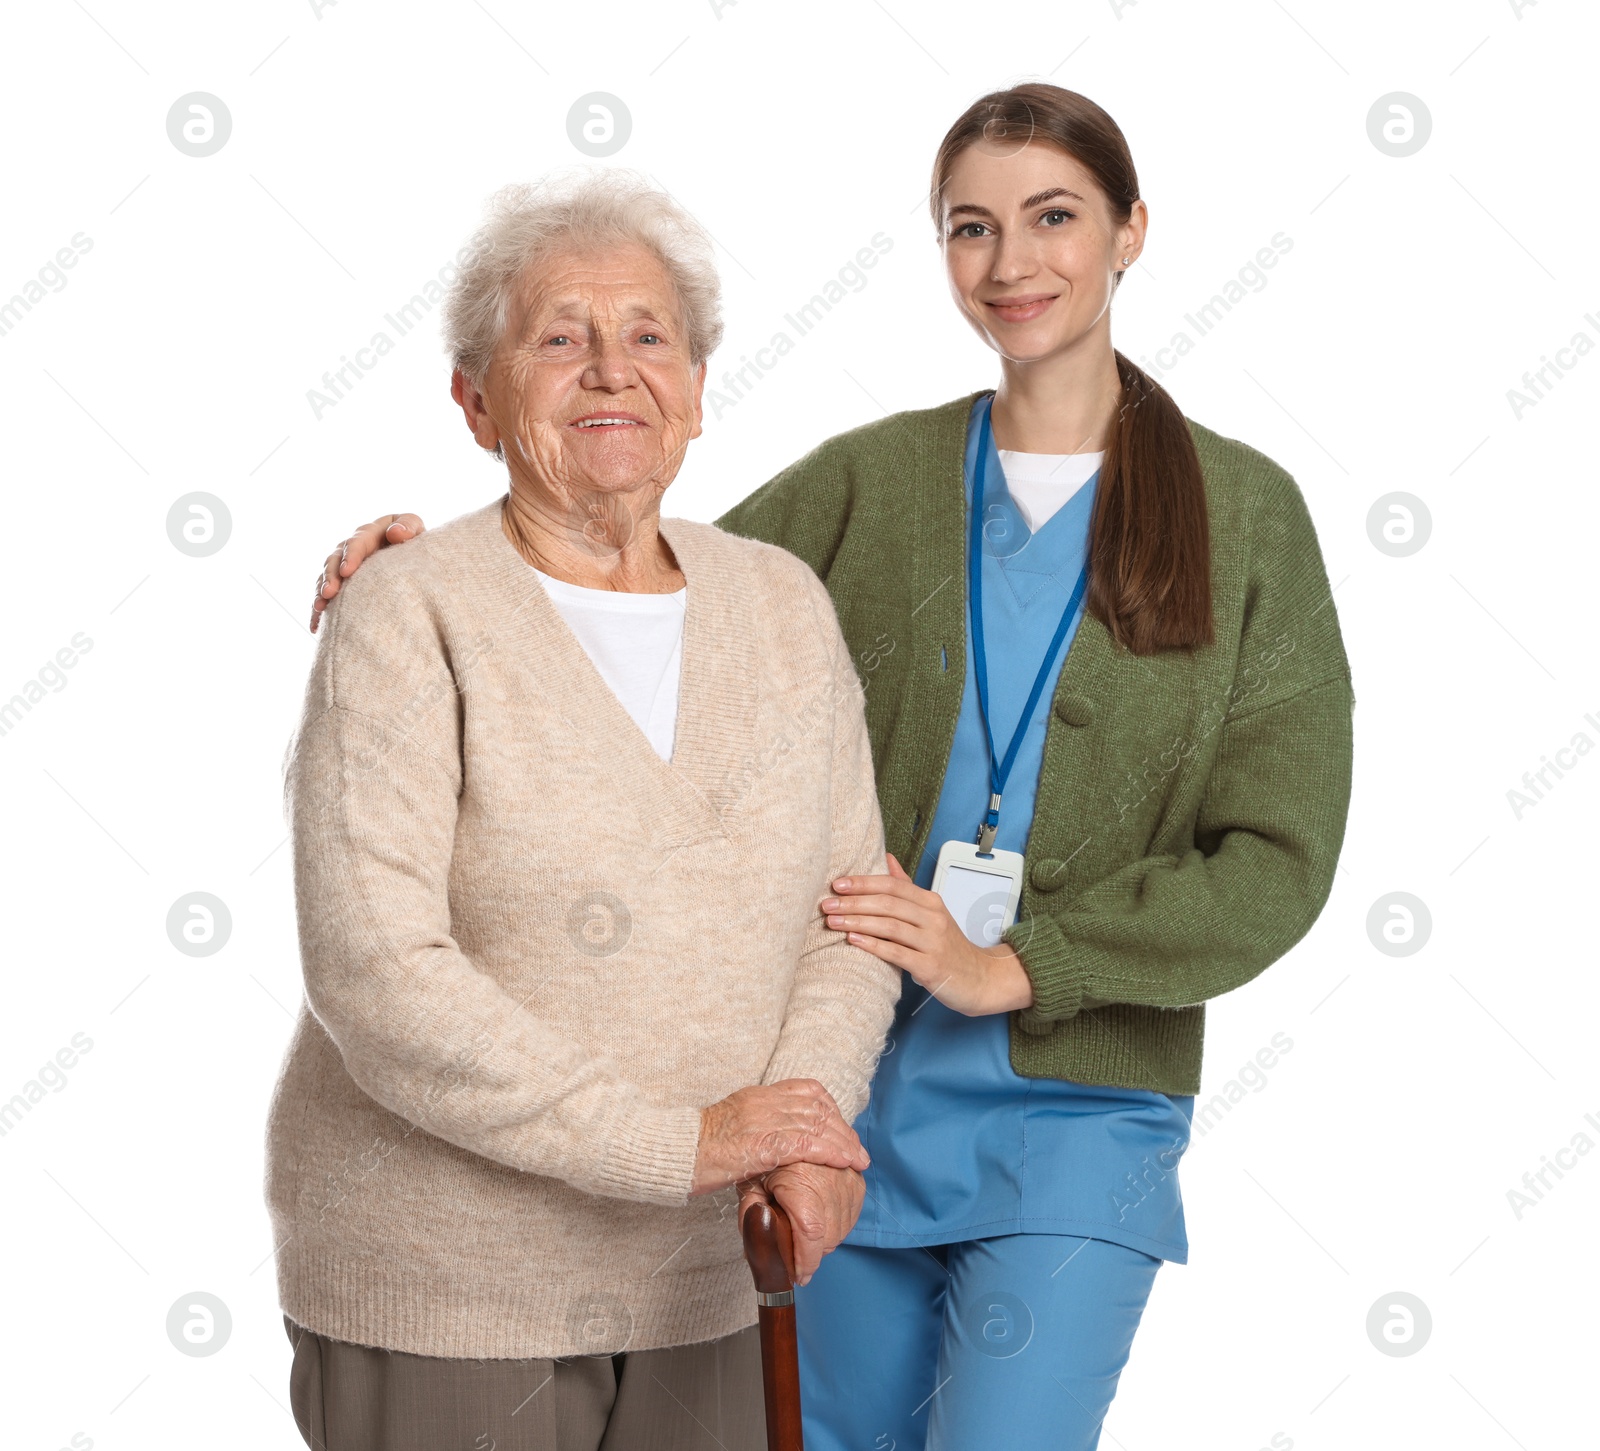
[(763, 1128), (822, 1205), (911, 928), (346, 559)]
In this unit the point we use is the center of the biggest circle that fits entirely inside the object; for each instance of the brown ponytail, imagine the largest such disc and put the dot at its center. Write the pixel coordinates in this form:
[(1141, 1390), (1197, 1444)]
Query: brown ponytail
[(1149, 539)]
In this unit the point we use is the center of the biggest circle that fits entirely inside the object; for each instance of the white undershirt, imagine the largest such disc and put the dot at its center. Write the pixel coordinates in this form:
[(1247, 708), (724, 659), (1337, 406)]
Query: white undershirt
[(1042, 482), (636, 643)]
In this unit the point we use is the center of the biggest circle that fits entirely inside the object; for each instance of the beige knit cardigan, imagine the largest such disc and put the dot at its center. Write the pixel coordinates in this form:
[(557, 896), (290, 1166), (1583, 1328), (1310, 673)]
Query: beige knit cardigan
[(533, 950)]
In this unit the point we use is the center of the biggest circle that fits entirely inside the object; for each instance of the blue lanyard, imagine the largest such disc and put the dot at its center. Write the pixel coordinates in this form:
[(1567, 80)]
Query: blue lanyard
[(1000, 769)]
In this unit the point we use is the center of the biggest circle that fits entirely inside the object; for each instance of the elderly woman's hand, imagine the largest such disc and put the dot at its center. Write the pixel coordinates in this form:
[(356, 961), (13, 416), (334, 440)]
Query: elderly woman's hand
[(759, 1129), (346, 559), (822, 1205)]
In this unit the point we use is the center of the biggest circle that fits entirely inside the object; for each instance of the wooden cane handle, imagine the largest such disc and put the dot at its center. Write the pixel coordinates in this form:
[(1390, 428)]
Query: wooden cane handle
[(769, 1246)]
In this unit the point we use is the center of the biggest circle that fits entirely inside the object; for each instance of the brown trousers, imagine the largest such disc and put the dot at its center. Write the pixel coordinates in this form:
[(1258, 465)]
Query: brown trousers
[(704, 1397)]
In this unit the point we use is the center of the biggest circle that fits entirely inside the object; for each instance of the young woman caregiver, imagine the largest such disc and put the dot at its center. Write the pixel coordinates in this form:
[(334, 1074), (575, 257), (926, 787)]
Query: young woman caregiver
[(1111, 717)]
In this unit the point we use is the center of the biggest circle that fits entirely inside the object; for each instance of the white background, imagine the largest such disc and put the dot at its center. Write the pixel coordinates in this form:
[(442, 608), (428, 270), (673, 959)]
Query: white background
[(1378, 1152)]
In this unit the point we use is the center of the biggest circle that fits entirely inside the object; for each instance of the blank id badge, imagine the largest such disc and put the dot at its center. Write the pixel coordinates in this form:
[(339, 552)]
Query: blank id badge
[(982, 892)]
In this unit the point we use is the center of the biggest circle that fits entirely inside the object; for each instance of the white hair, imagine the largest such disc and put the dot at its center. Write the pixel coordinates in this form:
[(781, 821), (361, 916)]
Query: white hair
[(527, 222)]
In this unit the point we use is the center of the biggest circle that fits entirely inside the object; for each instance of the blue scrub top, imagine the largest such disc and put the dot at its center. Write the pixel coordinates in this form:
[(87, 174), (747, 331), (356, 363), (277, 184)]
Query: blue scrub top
[(963, 1147)]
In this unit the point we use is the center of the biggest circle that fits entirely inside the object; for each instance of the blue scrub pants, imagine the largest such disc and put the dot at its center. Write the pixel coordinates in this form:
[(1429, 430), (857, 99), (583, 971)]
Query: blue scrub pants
[(1016, 1341)]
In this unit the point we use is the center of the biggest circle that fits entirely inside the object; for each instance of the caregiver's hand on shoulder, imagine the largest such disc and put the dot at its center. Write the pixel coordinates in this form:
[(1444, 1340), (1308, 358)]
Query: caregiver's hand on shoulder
[(346, 559), (910, 927), (822, 1205), (759, 1129)]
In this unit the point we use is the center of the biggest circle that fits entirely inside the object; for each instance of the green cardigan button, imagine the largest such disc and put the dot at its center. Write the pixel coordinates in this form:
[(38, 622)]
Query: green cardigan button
[(1076, 710), (1047, 874)]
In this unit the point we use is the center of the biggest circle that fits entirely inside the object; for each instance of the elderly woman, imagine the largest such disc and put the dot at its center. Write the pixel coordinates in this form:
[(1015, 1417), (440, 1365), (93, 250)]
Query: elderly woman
[(570, 782)]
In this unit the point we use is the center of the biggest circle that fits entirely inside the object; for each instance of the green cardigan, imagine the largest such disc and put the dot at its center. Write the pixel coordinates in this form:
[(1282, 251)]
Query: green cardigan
[(1191, 806)]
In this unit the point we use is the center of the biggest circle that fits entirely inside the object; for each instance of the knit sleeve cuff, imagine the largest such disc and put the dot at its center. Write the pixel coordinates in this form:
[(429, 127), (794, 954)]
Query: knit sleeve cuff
[(651, 1155), (1058, 980), (848, 1080)]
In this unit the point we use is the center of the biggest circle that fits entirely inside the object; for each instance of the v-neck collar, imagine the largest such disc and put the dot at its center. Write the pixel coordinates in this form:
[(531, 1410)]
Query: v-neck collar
[(687, 798), (1094, 661), (1066, 527)]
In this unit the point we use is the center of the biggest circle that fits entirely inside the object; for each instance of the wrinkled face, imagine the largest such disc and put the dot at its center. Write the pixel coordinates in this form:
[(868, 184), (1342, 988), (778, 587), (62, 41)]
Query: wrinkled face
[(1030, 247), (591, 389)]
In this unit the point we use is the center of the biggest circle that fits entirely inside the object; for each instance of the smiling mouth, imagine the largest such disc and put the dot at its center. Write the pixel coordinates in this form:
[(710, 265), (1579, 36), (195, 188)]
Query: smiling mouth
[(609, 421), (1020, 309)]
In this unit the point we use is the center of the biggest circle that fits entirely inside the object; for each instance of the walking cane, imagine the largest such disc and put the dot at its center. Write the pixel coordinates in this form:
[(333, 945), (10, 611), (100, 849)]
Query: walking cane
[(769, 1247)]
